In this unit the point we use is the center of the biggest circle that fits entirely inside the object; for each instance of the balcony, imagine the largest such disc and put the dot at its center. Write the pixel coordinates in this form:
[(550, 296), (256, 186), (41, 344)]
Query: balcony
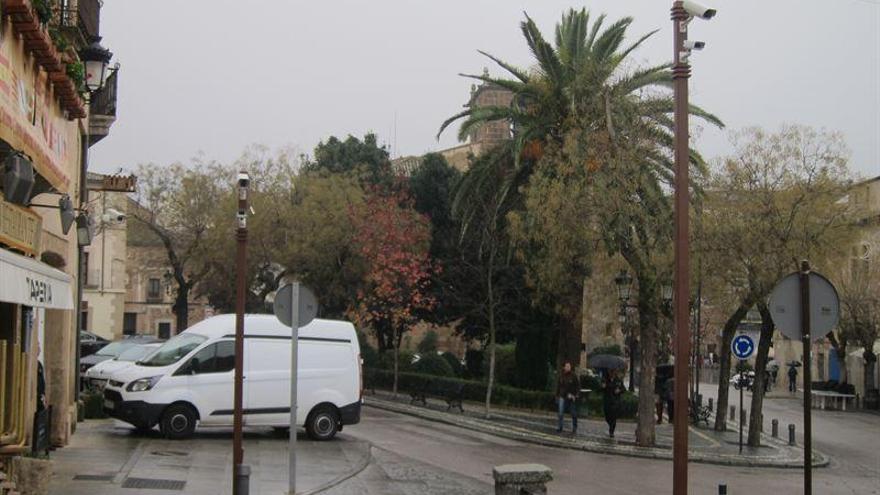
[(78, 19), (102, 109)]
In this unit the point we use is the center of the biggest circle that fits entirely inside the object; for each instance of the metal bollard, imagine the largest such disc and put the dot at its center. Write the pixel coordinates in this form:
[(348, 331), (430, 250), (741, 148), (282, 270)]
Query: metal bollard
[(732, 413), (791, 435), (722, 489), (775, 428), (711, 404)]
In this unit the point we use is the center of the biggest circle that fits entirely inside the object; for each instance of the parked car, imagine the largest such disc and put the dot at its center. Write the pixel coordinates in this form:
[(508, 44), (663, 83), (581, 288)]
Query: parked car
[(90, 343), (96, 376), (188, 381), (112, 350)]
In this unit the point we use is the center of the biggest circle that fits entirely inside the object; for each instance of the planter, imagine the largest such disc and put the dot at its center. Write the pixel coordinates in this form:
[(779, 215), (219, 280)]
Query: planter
[(31, 475)]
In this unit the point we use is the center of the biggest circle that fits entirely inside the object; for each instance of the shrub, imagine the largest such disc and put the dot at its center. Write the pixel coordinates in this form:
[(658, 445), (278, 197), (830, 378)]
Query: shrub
[(473, 359), (405, 361), (428, 343), (502, 395), (505, 364), (454, 363), (93, 405), (433, 364), (370, 356)]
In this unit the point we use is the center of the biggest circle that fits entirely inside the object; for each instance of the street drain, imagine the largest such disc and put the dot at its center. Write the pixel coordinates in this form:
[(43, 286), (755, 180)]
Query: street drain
[(154, 484), (93, 477)]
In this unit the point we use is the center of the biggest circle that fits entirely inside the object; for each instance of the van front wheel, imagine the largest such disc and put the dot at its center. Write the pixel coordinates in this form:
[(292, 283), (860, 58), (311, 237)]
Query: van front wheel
[(178, 421), (323, 423)]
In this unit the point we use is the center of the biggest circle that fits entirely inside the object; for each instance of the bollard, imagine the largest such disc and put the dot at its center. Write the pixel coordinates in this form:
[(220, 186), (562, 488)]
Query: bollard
[(775, 428), (722, 489), (732, 413), (699, 400), (515, 479), (711, 403), (791, 435)]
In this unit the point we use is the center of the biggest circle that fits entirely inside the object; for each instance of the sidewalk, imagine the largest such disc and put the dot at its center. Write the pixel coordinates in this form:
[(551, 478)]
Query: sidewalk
[(706, 445), (106, 457)]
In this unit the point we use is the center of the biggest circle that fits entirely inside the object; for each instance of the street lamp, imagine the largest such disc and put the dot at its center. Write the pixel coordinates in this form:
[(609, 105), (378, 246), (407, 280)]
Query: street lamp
[(241, 472), (96, 59), (682, 14), (624, 290)]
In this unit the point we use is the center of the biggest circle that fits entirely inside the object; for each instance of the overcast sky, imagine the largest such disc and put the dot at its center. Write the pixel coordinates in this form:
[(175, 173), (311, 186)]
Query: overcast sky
[(213, 76)]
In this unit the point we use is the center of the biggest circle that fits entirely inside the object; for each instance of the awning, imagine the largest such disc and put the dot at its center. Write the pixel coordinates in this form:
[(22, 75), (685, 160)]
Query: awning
[(32, 283)]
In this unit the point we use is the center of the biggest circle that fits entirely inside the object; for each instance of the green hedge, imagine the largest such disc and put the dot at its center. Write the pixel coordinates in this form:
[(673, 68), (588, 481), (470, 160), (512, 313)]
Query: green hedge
[(502, 395)]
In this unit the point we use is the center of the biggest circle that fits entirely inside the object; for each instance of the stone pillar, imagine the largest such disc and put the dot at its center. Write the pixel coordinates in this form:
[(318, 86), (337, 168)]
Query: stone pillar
[(58, 363), (516, 479)]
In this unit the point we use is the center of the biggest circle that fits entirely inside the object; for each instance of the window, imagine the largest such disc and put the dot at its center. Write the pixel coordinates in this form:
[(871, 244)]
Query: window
[(216, 358), (129, 323), (153, 288), (172, 351)]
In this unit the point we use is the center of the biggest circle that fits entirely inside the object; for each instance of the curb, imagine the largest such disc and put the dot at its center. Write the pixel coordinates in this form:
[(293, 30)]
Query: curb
[(367, 458), (520, 434)]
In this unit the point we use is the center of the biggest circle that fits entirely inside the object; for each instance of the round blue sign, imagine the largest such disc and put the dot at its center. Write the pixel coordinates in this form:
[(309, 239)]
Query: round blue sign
[(742, 346)]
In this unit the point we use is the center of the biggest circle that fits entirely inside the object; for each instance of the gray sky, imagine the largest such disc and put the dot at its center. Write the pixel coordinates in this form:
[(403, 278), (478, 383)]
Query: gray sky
[(214, 76)]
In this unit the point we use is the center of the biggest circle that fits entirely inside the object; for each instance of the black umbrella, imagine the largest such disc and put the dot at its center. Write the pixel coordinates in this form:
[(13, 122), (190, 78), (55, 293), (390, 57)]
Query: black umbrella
[(794, 363), (607, 361)]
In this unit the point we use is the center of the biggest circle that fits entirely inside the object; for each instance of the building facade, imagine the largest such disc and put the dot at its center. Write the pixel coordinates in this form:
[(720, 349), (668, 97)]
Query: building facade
[(45, 124)]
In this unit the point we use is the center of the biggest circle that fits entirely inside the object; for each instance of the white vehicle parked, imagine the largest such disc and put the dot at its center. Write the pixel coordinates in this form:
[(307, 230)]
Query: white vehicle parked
[(189, 379), (96, 376)]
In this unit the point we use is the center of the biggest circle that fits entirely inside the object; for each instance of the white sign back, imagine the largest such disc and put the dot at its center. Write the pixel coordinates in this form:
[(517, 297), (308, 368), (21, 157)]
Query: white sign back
[(785, 306)]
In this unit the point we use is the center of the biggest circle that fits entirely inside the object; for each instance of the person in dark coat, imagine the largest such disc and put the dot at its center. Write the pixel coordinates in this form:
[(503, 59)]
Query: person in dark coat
[(669, 396), (612, 388), (792, 378), (568, 388), (41, 382)]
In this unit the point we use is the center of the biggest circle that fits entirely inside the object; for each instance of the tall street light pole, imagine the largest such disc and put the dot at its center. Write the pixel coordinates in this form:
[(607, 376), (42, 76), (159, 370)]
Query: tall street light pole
[(241, 473), (682, 13)]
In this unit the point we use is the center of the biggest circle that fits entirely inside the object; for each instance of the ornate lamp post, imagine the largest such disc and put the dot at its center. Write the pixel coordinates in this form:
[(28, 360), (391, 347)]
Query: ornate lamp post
[(623, 281)]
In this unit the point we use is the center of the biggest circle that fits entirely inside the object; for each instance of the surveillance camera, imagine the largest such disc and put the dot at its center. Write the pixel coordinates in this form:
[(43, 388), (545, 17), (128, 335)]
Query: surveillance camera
[(697, 10), (694, 45), (244, 179), (113, 215)]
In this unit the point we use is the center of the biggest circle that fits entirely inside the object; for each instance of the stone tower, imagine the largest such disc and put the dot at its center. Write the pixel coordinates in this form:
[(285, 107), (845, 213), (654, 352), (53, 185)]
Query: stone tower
[(491, 133)]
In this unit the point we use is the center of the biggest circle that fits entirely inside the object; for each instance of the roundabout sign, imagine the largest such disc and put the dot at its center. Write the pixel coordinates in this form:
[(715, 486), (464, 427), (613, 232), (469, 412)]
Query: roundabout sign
[(742, 347)]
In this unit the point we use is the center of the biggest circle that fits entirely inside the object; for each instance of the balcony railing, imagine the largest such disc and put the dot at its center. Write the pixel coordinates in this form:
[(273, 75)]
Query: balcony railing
[(84, 15), (104, 100)]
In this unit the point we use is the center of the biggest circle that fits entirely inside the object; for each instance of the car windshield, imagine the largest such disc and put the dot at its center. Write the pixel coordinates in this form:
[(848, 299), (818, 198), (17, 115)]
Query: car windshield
[(173, 350), (114, 349), (135, 353)]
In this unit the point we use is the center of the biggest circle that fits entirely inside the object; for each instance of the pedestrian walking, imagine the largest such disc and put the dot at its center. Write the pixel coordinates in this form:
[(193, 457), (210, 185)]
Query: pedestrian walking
[(669, 396), (568, 388), (612, 387), (792, 379)]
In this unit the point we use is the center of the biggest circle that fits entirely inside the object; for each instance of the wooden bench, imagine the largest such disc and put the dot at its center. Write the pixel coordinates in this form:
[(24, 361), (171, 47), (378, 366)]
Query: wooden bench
[(819, 398), (453, 394)]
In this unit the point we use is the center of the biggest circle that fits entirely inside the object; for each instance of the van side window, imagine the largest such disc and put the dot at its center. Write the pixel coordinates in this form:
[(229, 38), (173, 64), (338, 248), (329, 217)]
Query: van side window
[(216, 358)]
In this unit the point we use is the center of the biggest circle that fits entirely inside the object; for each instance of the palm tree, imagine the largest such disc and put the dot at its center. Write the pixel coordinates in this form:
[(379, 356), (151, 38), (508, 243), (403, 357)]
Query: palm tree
[(582, 100)]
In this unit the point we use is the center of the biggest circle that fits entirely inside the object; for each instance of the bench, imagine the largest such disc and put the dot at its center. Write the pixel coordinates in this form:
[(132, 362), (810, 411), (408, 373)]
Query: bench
[(819, 398), (453, 394)]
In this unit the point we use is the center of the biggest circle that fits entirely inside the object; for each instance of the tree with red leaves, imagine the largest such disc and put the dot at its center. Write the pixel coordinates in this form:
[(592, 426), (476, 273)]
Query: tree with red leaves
[(393, 240)]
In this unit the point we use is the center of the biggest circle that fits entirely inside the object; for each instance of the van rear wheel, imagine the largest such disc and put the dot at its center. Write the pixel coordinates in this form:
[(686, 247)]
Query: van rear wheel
[(178, 421), (323, 423)]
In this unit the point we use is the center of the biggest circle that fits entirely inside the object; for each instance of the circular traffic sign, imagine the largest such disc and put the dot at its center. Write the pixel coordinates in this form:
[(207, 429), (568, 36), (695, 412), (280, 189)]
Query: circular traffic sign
[(742, 346), (308, 305), (785, 306)]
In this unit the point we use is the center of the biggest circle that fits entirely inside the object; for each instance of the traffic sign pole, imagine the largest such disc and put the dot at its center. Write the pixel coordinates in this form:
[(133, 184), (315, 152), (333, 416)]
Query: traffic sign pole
[(294, 355), (808, 385), (742, 347)]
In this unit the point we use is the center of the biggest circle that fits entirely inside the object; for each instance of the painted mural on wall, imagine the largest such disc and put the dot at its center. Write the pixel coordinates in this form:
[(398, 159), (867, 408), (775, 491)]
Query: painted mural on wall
[(31, 119)]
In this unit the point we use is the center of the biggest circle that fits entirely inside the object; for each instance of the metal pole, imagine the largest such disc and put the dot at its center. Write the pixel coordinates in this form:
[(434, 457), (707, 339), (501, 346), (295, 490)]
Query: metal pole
[(741, 412), (680, 73), (294, 355), (808, 426), (241, 266)]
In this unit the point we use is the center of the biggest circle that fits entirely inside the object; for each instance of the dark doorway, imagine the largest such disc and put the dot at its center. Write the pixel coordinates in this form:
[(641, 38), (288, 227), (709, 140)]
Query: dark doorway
[(129, 324), (164, 330)]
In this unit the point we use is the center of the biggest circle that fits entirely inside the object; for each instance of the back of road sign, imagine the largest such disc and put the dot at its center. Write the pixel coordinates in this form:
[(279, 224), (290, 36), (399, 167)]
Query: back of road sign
[(785, 306), (308, 305)]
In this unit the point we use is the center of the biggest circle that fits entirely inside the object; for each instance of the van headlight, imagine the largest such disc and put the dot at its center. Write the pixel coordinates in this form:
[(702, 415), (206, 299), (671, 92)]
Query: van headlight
[(143, 384)]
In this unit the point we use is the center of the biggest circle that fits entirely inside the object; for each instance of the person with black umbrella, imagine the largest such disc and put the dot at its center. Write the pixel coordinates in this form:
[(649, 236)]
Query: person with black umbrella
[(612, 388)]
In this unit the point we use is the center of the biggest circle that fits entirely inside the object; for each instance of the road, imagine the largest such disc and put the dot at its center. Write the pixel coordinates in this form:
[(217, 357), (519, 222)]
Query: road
[(471, 454)]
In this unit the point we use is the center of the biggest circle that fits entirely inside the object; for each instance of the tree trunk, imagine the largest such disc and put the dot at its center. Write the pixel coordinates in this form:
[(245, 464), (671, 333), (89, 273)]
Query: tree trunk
[(586, 338), (491, 382), (724, 359), (396, 343), (757, 407), (647, 376), (870, 362), (181, 307)]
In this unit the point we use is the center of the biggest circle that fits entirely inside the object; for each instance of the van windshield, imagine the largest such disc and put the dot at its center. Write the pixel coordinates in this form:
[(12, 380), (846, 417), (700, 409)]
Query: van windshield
[(173, 350)]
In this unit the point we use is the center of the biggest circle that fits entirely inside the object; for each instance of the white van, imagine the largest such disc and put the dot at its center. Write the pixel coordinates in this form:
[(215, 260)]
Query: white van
[(189, 379)]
